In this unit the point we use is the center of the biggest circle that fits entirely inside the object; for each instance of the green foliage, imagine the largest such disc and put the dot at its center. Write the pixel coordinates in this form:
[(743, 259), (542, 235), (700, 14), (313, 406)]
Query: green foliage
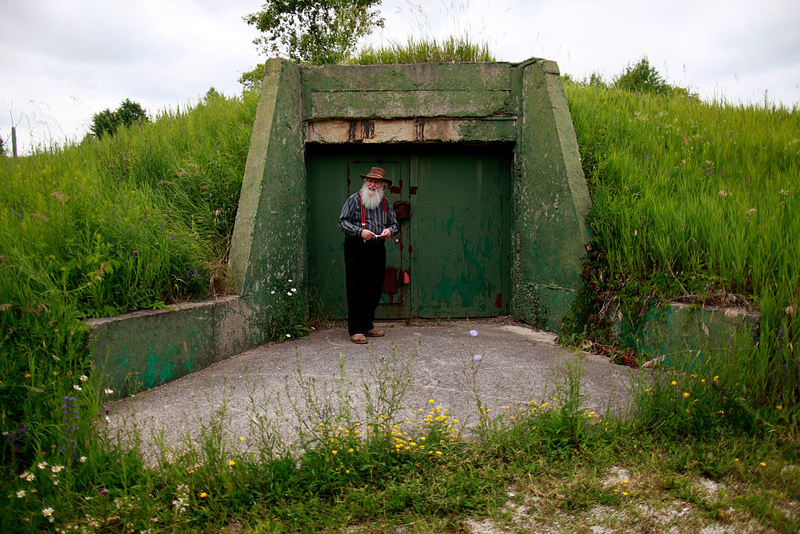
[(642, 78), (315, 32), (452, 50), (696, 202), (107, 122), (289, 316), (251, 80), (140, 220)]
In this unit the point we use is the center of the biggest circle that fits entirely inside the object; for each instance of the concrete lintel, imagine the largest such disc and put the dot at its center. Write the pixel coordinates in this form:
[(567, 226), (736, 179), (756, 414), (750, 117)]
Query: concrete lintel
[(419, 130)]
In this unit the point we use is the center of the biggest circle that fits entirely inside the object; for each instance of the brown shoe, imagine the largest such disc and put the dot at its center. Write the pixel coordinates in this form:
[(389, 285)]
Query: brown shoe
[(374, 333), (358, 338)]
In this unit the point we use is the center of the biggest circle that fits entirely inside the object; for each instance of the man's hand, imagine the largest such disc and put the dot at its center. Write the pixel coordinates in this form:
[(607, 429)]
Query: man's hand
[(386, 234), (366, 235)]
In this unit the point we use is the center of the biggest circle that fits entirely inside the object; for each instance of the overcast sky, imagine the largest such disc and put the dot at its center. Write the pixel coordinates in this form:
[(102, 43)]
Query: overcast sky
[(62, 61)]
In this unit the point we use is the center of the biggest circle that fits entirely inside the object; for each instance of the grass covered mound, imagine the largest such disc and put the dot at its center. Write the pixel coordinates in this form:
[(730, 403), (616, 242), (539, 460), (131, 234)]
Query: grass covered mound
[(138, 220), (695, 202)]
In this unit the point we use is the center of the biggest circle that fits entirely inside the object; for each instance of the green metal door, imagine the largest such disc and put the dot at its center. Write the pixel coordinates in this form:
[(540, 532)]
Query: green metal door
[(462, 227), (451, 256)]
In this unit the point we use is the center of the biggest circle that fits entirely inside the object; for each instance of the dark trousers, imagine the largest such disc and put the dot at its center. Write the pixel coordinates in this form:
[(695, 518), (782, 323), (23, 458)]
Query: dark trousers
[(365, 267)]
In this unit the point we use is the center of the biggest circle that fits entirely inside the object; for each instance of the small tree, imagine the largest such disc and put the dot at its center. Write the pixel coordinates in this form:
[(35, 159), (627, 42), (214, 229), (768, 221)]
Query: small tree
[(252, 79), (108, 122), (642, 78), (316, 32)]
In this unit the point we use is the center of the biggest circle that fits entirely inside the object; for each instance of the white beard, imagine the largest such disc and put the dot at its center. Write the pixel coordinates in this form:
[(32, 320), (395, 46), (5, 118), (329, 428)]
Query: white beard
[(371, 199)]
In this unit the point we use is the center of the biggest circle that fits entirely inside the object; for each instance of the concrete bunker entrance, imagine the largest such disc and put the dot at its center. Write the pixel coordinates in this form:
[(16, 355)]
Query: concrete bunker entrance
[(452, 255), (464, 135)]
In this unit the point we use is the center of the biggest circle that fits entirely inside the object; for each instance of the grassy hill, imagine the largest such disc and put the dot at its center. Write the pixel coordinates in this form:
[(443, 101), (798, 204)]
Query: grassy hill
[(696, 202)]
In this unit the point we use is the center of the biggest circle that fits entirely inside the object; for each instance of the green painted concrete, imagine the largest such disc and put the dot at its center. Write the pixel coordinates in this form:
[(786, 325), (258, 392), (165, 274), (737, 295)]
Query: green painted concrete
[(144, 349), (552, 201), (269, 243), (680, 334)]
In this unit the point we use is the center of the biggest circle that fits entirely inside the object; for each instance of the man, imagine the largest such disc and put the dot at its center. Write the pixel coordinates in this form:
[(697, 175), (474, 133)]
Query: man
[(367, 220)]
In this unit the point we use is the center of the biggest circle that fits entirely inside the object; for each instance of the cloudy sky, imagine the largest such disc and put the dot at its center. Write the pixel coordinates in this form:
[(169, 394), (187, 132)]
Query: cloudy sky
[(61, 62)]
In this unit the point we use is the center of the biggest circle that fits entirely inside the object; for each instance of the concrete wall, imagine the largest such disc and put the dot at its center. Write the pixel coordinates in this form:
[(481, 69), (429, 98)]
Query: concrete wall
[(144, 349), (552, 201), (682, 334)]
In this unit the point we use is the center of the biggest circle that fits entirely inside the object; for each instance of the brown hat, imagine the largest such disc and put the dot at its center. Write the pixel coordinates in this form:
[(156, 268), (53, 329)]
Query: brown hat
[(376, 173)]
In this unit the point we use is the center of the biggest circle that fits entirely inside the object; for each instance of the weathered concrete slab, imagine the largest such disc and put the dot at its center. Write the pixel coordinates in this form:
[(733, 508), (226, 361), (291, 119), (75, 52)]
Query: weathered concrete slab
[(518, 364)]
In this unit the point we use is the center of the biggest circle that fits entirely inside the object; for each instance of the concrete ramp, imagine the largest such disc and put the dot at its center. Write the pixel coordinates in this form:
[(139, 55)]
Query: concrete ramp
[(507, 366)]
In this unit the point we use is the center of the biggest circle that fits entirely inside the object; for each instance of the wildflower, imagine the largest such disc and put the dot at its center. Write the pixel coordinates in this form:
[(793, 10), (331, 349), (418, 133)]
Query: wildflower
[(108, 391), (716, 378), (135, 251), (48, 513), (431, 401), (779, 407), (42, 465), (288, 335), (83, 459), (473, 333), (27, 477), (735, 460), (674, 383), (21, 494), (241, 438), (438, 453), (203, 494), (763, 464), (77, 387), (27, 375), (56, 468), (334, 452), (789, 310), (723, 193), (231, 463), (84, 378), (625, 493), (477, 357), (685, 395)]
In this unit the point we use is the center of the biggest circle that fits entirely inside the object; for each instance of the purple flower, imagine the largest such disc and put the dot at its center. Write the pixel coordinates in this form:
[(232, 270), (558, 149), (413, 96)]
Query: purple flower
[(473, 333), (135, 251), (477, 357)]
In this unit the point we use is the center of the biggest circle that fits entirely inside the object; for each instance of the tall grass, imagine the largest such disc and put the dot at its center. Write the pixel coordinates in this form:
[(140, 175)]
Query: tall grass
[(699, 202), (138, 220), (450, 50)]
